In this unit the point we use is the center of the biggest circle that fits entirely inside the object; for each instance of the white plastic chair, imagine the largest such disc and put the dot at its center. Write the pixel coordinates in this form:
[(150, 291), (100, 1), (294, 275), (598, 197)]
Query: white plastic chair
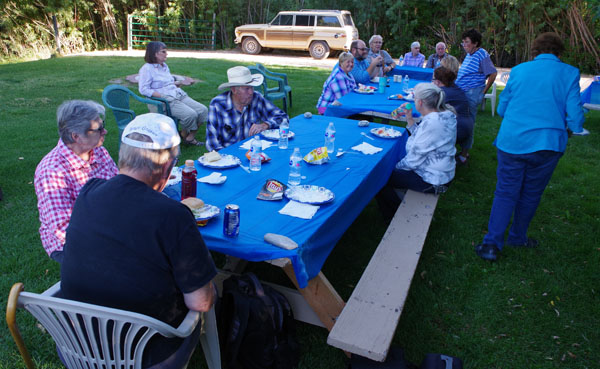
[(504, 77), (492, 97), (82, 332)]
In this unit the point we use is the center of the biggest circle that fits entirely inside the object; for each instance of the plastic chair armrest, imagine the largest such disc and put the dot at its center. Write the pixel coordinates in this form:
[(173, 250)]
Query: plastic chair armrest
[(164, 106), (188, 324), (52, 291)]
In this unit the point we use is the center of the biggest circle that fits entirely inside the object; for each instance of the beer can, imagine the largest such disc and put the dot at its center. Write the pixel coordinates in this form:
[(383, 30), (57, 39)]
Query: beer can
[(231, 220)]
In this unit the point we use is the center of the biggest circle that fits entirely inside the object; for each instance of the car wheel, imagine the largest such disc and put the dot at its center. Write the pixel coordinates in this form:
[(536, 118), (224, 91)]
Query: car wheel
[(251, 46), (319, 50)]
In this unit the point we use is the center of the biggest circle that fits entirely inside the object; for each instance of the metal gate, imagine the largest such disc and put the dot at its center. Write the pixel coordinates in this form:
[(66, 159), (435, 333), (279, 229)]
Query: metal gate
[(193, 34)]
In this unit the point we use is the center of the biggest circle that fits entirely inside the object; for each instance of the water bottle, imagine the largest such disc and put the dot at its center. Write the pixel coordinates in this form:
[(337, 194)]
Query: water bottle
[(284, 130), (405, 83), (295, 160), (188, 180), (400, 60), (330, 138), (255, 150)]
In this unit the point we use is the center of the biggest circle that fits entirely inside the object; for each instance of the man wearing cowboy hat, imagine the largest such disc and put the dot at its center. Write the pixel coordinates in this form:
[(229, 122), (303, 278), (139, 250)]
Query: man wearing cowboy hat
[(240, 112)]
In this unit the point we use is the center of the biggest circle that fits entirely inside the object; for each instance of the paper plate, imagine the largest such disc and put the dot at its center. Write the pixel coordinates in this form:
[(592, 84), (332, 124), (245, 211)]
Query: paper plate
[(386, 132), (226, 161), (369, 91), (308, 194), (273, 134), (175, 177), (206, 212)]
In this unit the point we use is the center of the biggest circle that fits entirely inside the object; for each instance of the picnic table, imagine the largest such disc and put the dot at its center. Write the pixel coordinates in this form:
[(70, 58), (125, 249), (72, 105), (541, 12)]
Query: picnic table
[(354, 178), (378, 104)]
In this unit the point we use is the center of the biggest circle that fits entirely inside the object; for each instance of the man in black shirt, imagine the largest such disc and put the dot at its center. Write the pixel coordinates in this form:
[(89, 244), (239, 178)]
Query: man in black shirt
[(130, 247)]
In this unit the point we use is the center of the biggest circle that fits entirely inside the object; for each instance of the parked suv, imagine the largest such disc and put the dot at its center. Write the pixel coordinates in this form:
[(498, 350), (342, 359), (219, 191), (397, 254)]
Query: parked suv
[(317, 31)]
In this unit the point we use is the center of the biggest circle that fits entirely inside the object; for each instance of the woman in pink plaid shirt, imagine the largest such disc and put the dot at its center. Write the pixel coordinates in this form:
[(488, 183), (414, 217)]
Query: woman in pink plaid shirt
[(77, 157)]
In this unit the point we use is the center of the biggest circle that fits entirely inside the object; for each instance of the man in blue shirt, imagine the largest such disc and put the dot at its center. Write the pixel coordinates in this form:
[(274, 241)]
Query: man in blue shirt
[(363, 70)]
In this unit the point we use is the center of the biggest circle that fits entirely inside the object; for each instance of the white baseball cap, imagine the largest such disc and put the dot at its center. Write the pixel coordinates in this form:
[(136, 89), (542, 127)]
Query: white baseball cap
[(160, 128), (241, 76)]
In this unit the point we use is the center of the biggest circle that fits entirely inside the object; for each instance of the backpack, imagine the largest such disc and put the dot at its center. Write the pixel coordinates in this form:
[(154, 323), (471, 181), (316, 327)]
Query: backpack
[(256, 326)]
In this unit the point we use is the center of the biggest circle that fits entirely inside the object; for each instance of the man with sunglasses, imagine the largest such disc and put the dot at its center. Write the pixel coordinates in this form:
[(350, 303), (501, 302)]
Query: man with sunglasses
[(78, 156), (364, 68)]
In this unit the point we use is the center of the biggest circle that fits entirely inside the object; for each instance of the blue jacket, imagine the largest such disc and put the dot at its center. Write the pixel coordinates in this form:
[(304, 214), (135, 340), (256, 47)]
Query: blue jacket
[(540, 101)]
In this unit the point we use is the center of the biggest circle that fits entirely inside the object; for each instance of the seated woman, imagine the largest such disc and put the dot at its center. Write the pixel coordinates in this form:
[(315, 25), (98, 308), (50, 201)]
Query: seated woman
[(339, 83), (429, 162), (156, 81), (444, 78)]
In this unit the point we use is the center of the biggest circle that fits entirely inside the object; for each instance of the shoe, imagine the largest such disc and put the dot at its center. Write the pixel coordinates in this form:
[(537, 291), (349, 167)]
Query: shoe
[(530, 244), (461, 160), (193, 142), (487, 252)]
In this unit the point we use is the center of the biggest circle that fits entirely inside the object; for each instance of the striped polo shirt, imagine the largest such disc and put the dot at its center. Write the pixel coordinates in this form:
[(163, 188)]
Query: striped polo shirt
[(474, 70)]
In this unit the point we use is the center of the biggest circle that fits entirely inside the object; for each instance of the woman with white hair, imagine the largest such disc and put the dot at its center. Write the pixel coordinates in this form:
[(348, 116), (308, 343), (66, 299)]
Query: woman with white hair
[(339, 83), (429, 162), (414, 58), (375, 43)]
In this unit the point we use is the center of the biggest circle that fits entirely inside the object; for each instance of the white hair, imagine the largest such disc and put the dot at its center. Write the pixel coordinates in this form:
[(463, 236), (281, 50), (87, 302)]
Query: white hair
[(374, 37), (440, 43), (415, 44), (432, 96)]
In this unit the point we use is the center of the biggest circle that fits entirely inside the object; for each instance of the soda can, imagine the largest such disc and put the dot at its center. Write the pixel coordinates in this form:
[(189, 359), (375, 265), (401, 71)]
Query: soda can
[(231, 220)]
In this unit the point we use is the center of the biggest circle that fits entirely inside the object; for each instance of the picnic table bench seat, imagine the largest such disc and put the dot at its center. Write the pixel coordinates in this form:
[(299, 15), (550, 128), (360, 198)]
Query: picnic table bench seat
[(369, 319)]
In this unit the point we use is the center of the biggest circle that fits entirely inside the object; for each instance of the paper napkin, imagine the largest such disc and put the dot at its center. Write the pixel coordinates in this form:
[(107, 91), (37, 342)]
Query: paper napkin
[(213, 178), (367, 149), (265, 144), (299, 210)]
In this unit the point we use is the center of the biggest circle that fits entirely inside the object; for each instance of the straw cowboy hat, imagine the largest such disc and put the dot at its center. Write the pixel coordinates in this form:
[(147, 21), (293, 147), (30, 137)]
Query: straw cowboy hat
[(241, 76)]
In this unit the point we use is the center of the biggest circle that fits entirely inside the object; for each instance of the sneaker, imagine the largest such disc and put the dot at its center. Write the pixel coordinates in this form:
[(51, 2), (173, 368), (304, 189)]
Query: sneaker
[(487, 252), (530, 244)]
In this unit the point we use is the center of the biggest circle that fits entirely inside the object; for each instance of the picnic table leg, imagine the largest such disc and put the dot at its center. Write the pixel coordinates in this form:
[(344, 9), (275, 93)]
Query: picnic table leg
[(320, 295)]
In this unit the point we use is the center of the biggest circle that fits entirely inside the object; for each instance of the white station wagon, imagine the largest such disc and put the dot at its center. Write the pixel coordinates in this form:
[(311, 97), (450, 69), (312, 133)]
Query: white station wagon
[(318, 31)]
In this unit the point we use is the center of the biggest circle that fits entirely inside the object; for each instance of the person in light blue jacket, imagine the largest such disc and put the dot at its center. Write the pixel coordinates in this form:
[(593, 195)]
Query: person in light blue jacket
[(539, 105)]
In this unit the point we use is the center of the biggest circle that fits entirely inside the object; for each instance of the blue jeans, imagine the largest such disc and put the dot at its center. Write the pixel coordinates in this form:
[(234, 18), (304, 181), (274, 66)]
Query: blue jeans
[(521, 181), (475, 96)]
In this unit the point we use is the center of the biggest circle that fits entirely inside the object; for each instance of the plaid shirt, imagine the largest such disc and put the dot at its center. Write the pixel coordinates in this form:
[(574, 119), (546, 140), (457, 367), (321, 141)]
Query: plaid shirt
[(227, 126), (58, 180), (337, 85), (414, 61)]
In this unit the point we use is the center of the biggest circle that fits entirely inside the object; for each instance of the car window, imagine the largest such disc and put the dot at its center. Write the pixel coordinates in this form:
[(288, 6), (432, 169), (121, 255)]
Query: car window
[(283, 20), (348, 20), (305, 20), (327, 21)]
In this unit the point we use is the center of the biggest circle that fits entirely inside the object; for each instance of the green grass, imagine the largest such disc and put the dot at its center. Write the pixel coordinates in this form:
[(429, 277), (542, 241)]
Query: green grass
[(532, 309)]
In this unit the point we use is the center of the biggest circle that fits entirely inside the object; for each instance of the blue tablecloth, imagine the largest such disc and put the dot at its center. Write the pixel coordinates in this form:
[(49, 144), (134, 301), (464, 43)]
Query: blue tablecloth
[(356, 103), (591, 95), (354, 178), (423, 74)]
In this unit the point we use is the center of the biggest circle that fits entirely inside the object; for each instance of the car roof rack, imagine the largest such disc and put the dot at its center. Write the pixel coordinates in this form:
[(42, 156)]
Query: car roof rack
[(320, 10)]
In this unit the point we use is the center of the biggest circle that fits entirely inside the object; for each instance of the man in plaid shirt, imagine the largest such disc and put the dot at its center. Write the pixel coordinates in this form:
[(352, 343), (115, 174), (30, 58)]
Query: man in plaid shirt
[(414, 58), (61, 174), (240, 112)]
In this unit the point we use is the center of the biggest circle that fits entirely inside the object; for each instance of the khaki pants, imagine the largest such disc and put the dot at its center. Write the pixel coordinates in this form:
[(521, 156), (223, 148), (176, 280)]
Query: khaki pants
[(191, 114)]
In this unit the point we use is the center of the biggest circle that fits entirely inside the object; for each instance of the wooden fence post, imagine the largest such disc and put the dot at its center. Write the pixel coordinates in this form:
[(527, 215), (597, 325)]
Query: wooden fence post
[(56, 35)]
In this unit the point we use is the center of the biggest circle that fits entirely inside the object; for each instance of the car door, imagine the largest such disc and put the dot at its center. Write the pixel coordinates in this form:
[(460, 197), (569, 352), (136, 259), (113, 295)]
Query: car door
[(330, 29), (304, 28), (279, 31)]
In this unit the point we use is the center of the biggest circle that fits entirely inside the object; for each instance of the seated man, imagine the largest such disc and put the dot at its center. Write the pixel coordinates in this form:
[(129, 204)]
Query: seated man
[(240, 112), (364, 68), (130, 247), (77, 157), (375, 50), (414, 58), (436, 58)]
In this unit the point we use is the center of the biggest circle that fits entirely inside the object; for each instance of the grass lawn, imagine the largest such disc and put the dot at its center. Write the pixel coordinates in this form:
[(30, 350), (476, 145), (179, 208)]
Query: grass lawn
[(532, 309)]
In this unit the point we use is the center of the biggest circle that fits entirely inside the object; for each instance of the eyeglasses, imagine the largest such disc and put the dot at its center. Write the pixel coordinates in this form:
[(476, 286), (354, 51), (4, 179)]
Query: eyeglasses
[(361, 48), (175, 161), (377, 42), (99, 129)]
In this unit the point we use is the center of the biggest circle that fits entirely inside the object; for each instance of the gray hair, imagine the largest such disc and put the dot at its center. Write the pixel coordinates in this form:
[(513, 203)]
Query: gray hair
[(451, 63), (146, 161), (375, 37), (432, 96), (415, 44), (76, 116), (344, 56), (440, 43)]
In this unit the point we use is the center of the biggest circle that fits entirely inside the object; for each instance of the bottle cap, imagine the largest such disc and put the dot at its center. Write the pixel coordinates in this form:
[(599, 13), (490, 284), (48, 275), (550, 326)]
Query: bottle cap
[(189, 163)]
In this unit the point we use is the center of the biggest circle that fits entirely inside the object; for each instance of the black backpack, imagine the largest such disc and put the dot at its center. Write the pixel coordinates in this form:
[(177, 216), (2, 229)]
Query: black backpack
[(256, 326)]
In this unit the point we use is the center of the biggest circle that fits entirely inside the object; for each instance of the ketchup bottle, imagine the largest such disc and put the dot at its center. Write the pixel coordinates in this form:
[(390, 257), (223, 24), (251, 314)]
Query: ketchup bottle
[(188, 180)]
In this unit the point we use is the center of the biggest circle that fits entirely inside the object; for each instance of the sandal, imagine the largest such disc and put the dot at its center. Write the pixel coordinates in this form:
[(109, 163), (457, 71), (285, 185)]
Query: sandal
[(461, 160), (193, 142)]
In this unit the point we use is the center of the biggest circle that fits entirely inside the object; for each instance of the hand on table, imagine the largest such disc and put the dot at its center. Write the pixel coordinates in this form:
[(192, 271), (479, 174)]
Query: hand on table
[(257, 128)]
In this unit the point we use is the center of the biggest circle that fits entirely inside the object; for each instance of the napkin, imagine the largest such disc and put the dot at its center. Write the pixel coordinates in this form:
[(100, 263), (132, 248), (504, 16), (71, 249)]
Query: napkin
[(367, 149), (299, 210), (265, 144), (213, 178)]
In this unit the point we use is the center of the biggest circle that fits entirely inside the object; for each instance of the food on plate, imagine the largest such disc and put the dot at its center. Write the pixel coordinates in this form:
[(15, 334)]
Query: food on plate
[(195, 205), (386, 132), (211, 156), (365, 88), (396, 96)]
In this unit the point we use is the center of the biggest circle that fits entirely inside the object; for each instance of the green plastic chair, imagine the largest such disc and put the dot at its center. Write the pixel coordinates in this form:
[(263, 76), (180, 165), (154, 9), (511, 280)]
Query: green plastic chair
[(271, 93), (117, 97), (283, 76)]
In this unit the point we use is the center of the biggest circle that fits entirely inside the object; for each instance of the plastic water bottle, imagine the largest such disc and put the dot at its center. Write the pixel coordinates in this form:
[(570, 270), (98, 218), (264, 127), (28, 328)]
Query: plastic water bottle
[(295, 160), (405, 83), (400, 60), (284, 131), (255, 150), (188, 180), (330, 138)]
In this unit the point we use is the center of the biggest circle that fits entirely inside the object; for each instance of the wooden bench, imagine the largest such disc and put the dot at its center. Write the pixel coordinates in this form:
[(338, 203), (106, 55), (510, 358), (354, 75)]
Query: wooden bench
[(592, 106), (367, 323)]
